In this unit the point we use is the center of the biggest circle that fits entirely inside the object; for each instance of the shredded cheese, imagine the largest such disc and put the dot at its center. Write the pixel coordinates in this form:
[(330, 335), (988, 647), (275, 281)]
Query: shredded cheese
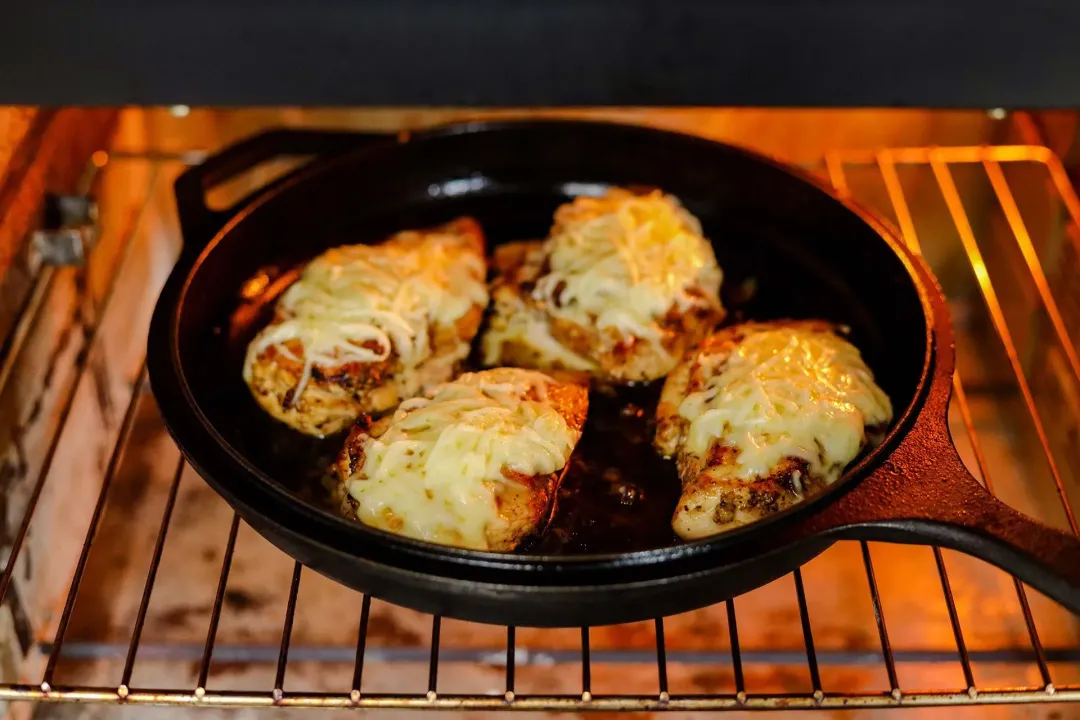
[(786, 392), (623, 261), (434, 472), (360, 303)]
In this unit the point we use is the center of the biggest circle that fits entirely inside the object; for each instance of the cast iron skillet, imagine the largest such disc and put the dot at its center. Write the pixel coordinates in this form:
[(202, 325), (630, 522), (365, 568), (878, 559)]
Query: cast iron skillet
[(808, 253)]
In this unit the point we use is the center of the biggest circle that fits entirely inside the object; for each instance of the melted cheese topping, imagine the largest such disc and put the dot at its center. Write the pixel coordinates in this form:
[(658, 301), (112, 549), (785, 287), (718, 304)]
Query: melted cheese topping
[(359, 303), (623, 261), (786, 392), (527, 329), (435, 471)]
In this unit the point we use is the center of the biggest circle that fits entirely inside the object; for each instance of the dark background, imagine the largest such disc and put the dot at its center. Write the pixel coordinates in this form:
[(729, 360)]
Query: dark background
[(962, 53)]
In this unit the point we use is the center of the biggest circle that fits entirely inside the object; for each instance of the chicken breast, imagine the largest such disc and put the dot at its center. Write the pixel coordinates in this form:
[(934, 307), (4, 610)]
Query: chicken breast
[(761, 416), (366, 326), (622, 287), (475, 463)]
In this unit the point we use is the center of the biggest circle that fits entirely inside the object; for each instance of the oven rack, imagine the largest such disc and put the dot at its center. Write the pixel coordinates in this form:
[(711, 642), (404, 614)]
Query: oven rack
[(887, 166)]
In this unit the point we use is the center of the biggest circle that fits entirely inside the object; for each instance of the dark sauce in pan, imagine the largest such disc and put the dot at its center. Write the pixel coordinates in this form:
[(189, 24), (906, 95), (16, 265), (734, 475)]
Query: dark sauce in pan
[(618, 494)]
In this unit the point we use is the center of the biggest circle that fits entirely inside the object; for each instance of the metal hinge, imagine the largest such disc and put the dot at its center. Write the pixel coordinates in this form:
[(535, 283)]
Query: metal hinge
[(68, 231)]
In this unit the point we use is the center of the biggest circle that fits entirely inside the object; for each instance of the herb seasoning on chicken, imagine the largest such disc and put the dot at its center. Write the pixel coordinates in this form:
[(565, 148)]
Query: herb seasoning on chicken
[(474, 463), (367, 326), (762, 415), (622, 287)]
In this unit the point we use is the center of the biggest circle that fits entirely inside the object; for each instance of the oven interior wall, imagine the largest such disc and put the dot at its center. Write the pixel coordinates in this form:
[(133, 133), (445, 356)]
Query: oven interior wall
[(99, 366)]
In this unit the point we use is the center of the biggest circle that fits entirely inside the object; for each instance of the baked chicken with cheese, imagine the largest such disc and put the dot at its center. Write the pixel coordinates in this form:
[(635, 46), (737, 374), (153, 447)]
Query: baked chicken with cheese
[(761, 416), (474, 463), (366, 326), (621, 288)]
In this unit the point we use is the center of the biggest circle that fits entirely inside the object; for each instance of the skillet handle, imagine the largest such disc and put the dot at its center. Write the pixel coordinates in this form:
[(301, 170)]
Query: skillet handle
[(924, 494), (200, 223)]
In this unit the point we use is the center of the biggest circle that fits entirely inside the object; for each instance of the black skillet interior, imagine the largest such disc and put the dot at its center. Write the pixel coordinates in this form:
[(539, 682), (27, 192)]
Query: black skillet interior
[(787, 250)]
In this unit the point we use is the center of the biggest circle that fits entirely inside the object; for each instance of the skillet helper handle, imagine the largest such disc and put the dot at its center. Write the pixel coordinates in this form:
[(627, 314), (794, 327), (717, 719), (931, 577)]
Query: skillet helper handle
[(200, 223), (924, 494)]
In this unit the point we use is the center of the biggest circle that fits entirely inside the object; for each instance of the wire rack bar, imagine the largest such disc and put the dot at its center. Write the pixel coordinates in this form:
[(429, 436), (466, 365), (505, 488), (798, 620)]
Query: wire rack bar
[(887, 167), (661, 659), (808, 636), (215, 613), (29, 316), (267, 654), (879, 619), (954, 621), (286, 632), (736, 654), (361, 647), (1033, 635), (511, 662), (151, 576), (834, 168), (956, 155), (586, 666), (433, 663), (615, 703)]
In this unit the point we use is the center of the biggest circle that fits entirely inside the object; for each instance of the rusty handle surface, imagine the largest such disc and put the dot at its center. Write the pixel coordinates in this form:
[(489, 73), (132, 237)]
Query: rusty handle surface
[(923, 494)]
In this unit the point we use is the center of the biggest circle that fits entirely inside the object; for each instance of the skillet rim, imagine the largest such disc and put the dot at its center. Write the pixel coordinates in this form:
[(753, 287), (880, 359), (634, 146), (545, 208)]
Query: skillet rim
[(352, 538)]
